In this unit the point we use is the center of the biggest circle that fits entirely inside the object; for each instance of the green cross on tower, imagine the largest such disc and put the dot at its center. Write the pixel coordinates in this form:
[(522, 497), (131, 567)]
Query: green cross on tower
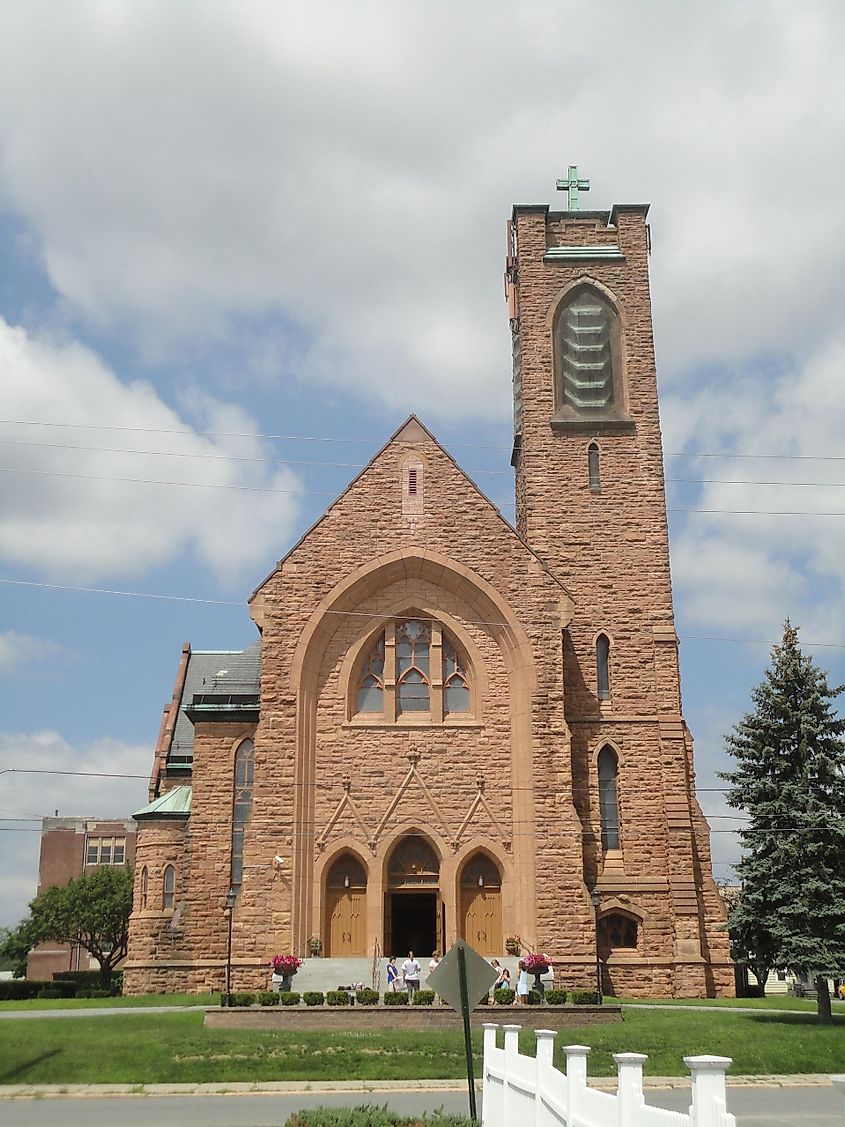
[(573, 185)]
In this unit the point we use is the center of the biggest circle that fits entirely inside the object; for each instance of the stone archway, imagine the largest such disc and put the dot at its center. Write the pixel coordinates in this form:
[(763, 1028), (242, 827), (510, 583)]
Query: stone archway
[(413, 908), (481, 905), (345, 929)]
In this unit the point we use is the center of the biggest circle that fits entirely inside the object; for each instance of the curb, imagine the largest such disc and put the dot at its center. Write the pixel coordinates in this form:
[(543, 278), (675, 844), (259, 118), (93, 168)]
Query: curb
[(287, 1087)]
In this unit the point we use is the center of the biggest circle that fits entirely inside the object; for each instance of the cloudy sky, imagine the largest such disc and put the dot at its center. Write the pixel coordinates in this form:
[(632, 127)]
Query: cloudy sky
[(224, 223)]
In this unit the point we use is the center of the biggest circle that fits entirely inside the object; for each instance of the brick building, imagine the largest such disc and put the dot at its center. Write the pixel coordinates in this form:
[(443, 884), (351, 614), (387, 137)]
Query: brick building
[(69, 848), (450, 726)]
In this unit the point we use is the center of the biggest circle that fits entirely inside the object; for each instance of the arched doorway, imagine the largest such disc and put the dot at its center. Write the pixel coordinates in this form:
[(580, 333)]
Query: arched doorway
[(481, 905), (413, 912), (345, 932)]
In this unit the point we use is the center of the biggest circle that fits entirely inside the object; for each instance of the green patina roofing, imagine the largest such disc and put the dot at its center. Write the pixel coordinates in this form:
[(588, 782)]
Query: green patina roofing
[(175, 804)]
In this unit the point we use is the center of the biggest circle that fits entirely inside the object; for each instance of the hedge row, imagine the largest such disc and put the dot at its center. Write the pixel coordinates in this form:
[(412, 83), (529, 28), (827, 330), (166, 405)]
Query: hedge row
[(22, 989), (421, 998)]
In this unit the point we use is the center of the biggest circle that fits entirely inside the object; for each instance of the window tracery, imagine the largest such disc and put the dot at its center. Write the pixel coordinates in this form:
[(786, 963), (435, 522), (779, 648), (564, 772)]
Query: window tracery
[(412, 671)]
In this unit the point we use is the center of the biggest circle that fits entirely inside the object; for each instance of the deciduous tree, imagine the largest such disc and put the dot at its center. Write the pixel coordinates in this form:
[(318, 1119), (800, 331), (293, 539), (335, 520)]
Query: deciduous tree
[(92, 911)]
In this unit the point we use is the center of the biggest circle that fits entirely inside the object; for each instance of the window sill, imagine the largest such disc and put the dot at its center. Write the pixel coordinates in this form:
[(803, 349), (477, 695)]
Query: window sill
[(421, 722)]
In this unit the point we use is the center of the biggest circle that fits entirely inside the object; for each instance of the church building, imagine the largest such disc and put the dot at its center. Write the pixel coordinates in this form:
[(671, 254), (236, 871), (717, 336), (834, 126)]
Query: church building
[(449, 726)]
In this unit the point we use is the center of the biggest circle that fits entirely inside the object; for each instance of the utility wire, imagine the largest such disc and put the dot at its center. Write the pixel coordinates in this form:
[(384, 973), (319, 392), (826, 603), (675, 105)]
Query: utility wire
[(362, 465), (367, 614), (379, 442)]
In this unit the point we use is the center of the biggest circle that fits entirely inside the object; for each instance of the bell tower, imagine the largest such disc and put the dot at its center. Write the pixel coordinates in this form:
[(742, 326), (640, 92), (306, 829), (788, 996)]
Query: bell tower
[(590, 500)]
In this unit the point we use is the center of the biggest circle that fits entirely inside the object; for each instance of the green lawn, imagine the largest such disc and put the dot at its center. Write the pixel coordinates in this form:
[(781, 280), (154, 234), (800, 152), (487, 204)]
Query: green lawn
[(776, 1002), (133, 1002), (176, 1047)]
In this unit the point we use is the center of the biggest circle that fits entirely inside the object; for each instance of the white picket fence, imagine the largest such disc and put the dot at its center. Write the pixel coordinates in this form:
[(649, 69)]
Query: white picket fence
[(531, 1092)]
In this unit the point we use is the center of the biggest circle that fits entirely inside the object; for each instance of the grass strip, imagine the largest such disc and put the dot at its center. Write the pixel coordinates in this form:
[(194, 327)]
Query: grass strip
[(178, 1048), (124, 1003)]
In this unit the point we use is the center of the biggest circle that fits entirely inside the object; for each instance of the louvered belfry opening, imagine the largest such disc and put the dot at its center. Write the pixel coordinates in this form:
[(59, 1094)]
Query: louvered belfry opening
[(583, 345)]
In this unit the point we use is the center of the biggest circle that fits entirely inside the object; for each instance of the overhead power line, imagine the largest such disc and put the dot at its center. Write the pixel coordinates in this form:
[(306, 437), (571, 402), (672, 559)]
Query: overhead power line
[(365, 614), (189, 433), (358, 466)]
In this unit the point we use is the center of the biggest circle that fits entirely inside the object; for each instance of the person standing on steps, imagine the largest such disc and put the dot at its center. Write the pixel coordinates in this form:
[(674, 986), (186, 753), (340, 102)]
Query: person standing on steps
[(392, 974), (411, 971), (522, 987)]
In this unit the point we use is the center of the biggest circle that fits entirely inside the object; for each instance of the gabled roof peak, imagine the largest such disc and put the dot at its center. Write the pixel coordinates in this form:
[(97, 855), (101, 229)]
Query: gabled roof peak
[(413, 430)]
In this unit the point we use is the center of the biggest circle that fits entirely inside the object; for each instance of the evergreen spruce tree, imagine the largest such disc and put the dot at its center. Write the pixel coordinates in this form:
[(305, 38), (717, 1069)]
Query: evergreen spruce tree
[(790, 781)]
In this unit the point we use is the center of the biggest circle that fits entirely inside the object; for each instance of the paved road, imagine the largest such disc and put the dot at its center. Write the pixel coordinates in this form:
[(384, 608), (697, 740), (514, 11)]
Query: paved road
[(753, 1107)]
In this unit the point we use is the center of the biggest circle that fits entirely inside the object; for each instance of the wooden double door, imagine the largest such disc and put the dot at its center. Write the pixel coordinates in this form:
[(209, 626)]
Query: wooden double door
[(481, 913), (346, 922)]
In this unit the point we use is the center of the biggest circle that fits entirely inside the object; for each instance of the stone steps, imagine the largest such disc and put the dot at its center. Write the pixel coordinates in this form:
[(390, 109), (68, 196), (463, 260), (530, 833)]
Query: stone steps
[(329, 974)]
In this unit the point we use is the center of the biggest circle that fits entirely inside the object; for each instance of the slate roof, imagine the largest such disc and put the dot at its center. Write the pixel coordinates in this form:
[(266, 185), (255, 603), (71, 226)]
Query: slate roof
[(222, 673)]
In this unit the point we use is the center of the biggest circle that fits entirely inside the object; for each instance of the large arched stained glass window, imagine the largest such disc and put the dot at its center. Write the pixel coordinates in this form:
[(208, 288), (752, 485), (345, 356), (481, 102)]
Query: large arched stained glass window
[(413, 669), (242, 806)]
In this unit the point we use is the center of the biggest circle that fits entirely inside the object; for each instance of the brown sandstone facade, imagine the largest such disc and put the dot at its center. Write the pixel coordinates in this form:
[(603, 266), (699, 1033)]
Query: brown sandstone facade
[(394, 792)]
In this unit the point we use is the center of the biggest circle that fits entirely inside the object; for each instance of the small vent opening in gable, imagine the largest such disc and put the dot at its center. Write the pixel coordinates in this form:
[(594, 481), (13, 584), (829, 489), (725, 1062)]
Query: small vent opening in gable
[(412, 481)]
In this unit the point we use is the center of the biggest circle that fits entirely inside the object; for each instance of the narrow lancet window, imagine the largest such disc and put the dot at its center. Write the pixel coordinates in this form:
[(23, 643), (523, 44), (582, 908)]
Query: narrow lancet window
[(371, 681), (144, 884), (593, 467), (603, 667), (455, 685), (242, 806), (168, 887), (413, 641), (608, 802)]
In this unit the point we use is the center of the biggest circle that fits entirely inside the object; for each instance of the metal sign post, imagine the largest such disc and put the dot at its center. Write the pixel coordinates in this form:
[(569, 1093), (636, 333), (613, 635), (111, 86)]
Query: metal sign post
[(462, 978)]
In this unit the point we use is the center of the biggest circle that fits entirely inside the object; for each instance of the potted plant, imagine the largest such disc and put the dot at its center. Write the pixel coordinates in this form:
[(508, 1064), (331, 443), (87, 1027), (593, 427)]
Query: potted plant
[(284, 968), (512, 945), (537, 965), (315, 946)]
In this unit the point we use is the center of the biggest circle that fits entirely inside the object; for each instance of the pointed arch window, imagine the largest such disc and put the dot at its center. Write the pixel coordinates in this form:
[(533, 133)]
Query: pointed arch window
[(455, 683), (603, 667), (144, 886), (371, 680), (168, 887), (585, 352), (608, 767), (413, 688), (413, 671), (241, 806), (593, 468)]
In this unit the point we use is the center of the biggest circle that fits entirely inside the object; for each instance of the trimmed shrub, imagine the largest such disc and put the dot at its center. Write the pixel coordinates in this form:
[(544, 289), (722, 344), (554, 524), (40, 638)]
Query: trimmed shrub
[(48, 992), (367, 997), (19, 989), (391, 999), (504, 997), (423, 997), (99, 993), (314, 998), (267, 998), (243, 998), (556, 997), (66, 988), (583, 997), (534, 997), (337, 998), (289, 998)]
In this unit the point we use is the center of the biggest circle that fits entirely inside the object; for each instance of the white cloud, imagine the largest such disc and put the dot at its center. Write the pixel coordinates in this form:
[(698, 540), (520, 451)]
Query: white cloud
[(74, 520), (748, 571), (26, 797), (350, 169), (20, 650)]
